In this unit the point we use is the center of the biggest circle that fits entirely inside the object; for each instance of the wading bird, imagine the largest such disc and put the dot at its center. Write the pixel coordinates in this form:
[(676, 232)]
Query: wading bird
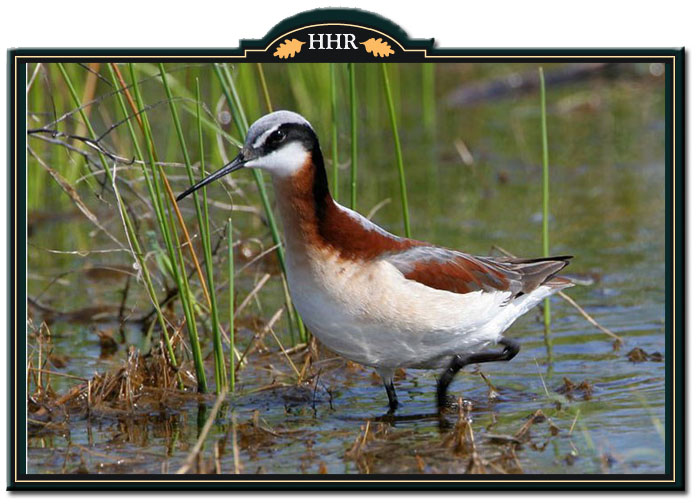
[(373, 297)]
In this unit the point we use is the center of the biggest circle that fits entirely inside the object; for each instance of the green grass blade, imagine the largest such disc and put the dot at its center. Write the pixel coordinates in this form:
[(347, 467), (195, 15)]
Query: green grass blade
[(206, 235), (130, 229), (159, 211), (545, 187), (241, 122), (220, 373), (354, 133), (238, 109), (428, 99), (397, 150), (264, 87), (173, 243), (335, 132), (188, 103), (231, 102), (231, 293), (294, 319), (235, 108)]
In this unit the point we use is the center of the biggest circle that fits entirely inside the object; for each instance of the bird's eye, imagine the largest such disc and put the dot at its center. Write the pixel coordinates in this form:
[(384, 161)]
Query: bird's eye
[(277, 137)]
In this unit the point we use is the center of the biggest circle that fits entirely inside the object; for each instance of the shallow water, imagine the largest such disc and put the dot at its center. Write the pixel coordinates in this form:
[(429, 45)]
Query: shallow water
[(608, 208)]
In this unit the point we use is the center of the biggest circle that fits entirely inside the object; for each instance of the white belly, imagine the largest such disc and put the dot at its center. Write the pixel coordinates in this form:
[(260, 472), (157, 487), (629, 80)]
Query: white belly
[(371, 314)]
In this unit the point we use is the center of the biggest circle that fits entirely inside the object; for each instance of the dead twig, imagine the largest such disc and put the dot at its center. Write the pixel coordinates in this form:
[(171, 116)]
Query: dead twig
[(377, 208), (251, 295), (590, 319), (290, 361), (186, 467), (259, 335), (72, 193), (64, 375)]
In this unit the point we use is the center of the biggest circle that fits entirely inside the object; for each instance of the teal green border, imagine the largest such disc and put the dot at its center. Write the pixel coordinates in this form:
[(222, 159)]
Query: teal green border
[(674, 479)]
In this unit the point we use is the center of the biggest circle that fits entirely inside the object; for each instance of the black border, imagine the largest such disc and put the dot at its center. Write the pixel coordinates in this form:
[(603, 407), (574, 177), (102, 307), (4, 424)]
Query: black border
[(416, 50)]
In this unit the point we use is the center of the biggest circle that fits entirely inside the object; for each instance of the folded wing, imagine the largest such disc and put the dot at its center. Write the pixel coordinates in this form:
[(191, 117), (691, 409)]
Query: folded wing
[(461, 273)]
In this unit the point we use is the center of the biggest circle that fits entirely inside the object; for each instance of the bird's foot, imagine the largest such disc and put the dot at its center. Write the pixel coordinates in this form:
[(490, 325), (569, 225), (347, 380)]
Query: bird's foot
[(446, 404), (451, 404), (394, 405)]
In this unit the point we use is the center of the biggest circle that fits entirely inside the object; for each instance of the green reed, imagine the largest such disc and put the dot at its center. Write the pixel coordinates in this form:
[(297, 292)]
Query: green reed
[(294, 319), (428, 99), (335, 131), (152, 188), (354, 133), (168, 228), (231, 294), (128, 224), (545, 187), (397, 150), (204, 230), (264, 87), (206, 235), (236, 109), (247, 93)]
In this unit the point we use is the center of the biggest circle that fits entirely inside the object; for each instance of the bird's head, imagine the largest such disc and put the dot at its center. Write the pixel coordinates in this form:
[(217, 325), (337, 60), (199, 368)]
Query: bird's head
[(281, 143)]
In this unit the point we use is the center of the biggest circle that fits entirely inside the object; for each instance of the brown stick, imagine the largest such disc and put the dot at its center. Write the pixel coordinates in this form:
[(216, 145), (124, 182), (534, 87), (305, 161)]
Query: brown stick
[(186, 467), (73, 195), (590, 319), (65, 375)]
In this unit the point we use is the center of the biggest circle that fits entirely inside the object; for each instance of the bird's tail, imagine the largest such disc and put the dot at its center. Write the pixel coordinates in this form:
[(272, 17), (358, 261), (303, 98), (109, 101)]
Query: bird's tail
[(541, 271)]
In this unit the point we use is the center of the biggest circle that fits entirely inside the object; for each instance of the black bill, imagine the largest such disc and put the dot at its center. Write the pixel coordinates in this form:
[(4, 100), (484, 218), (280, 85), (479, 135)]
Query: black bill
[(232, 166)]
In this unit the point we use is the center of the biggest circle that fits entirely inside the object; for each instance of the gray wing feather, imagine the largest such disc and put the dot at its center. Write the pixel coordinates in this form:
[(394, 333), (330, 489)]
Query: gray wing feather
[(461, 272)]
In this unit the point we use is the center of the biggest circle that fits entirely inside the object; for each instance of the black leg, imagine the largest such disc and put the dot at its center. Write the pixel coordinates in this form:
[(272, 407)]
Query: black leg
[(391, 395), (509, 351)]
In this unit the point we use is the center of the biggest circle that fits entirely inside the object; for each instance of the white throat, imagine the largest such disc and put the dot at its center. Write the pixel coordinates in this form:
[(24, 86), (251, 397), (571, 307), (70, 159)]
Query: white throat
[(283, 162)]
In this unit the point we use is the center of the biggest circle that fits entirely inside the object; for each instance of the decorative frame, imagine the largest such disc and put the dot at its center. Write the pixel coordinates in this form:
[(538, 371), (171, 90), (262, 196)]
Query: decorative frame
[(367, 38)]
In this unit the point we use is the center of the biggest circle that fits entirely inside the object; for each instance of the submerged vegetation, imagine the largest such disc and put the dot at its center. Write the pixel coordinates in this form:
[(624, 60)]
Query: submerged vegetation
[(158, 325)]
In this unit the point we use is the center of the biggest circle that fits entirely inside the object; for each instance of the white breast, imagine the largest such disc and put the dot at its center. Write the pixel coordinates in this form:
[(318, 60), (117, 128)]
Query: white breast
[(371, 314)]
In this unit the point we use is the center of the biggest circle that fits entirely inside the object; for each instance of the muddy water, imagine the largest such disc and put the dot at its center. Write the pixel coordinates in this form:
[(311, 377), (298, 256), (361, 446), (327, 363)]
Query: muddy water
[(604, 413)]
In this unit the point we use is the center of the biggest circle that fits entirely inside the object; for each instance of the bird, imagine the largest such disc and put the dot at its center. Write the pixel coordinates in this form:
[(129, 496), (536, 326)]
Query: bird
[(375, 298)]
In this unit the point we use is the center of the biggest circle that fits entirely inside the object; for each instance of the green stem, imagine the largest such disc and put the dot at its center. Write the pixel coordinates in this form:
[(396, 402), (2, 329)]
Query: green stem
[(235, 106), (220, 374), (264, 87), (172, 239), (206, 235), (428, 107), (545, 187), (428, 99), (156, 202), (397, 150), (130, 229), (231, 293), (354, 133), (335, 132)]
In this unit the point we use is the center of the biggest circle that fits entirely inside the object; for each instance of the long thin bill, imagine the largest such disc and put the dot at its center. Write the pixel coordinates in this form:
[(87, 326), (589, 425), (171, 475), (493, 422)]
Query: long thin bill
[(232, 166)]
